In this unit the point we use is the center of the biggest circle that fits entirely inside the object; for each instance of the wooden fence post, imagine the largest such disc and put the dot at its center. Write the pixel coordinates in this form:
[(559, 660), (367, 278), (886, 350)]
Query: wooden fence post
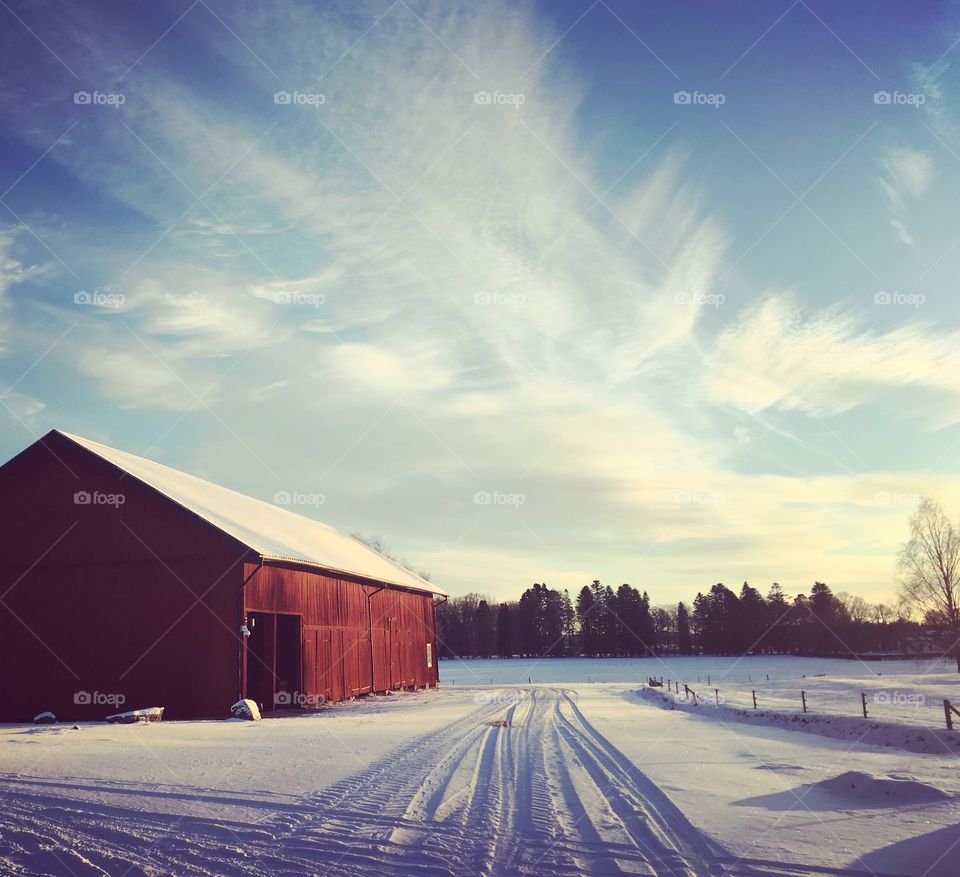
[(946, 714), (803, 699), (754, 699), (716, 694), (863, 701)]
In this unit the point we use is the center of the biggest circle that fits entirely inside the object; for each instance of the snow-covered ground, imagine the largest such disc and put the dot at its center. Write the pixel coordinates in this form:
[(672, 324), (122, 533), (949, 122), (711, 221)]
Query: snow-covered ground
[(905, 691), (770, 795), (578, 778)]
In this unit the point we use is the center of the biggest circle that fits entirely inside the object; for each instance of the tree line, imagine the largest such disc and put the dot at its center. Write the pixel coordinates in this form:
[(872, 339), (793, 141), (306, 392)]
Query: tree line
[(622, 622), (602, 621)]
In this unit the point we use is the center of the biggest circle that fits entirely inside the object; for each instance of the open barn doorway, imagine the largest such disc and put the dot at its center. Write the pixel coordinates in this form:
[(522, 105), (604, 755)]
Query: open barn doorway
[(273, 660)]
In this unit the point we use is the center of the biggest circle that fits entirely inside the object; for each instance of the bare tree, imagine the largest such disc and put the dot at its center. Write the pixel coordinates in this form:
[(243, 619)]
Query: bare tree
[(377, 543), (929, 564), (857, 609)]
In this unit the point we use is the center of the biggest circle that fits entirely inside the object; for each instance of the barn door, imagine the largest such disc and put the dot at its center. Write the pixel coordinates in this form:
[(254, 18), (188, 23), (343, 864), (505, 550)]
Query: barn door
[(261, 655), (395, 654), (287, 670), (322, 673), (274, 660)]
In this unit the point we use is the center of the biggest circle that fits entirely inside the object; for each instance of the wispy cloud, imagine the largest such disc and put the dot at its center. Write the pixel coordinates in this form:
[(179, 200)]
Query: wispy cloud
[(825, 363), (12, 272), (441, 279), (907, 174)]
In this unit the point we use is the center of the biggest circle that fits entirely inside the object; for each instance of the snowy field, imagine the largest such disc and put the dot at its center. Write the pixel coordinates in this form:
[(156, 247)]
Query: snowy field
[(906, 691), (554, 777)]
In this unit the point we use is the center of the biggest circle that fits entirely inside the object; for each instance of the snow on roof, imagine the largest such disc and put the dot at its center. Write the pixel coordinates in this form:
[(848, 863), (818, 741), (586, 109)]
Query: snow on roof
[(273, 532)]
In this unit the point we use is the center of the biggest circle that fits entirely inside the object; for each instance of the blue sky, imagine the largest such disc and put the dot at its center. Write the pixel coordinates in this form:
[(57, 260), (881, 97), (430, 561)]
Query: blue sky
[(658, 293)]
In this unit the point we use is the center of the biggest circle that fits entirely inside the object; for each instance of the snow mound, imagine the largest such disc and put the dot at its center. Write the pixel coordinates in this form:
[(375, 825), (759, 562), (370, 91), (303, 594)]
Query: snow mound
[(246, 709), (864, 789), (132, 717)]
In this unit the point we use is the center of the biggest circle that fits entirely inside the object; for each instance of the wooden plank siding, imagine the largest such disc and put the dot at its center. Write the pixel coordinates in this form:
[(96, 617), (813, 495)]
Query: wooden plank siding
[(337, 615)]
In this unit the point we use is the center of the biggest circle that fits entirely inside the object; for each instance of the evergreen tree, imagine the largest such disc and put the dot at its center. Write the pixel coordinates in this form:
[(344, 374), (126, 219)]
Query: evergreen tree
[(684, 643), (608, 628), (823, 620), (799, 628), (485, 629), (719, 621), (553, 623), (531, 618), (777, 622), (634, 631), (587, 620), (753, 610), (505, 637), (699, 619), (569, 623)]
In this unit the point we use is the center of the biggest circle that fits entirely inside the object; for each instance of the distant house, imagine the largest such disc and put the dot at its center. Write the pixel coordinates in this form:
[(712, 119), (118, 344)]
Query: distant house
[(125, 583), (927, 643)]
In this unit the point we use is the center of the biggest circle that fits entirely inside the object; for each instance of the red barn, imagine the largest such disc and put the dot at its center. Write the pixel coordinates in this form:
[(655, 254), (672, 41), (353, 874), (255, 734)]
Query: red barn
[(127, 584)]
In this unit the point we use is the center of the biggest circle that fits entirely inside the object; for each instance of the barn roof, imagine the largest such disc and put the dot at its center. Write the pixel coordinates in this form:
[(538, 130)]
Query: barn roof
[(272, 532)]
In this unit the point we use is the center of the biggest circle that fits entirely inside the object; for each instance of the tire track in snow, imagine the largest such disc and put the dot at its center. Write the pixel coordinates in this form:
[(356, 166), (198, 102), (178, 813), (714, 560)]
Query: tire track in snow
[(526, 788), (545, 795), (77, 839)]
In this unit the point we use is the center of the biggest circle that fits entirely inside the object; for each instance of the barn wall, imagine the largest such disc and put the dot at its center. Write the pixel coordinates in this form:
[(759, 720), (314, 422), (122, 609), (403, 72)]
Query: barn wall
[(90, 614), (335, 630)]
